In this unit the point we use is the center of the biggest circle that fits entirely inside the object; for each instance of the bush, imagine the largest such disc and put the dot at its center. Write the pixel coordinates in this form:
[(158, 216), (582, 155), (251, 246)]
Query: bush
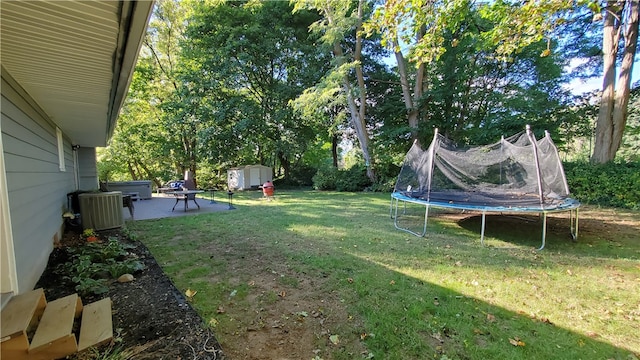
[(325, 178), (300, 176), (387, 175), (353, 179), (612, 184), (89, 263)]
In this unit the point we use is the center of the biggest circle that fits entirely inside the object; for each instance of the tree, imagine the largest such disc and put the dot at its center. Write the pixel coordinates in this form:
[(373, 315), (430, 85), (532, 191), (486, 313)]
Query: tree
[(517, 25), (339, 19), (136, 150), (148, 142), (458, 82), (246, 61), (163, 43), (620, 32)]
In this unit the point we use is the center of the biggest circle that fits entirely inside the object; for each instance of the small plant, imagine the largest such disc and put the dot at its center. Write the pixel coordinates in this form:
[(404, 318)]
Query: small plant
[(90, 235), (91, 286), (128, 266), (93, 263)]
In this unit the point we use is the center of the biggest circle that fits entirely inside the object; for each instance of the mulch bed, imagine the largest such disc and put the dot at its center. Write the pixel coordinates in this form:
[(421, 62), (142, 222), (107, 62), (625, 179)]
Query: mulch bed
[(151, 318)]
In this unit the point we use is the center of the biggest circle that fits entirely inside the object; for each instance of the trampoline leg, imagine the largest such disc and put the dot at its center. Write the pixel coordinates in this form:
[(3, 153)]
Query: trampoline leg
[(544, 230), (426, 216), (482, 229), (391, 207), (395, 214), (395, 220), (573, 224)]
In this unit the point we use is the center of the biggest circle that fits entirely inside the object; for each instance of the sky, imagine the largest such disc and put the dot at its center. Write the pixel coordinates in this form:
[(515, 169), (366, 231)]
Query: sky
[(578, 86)]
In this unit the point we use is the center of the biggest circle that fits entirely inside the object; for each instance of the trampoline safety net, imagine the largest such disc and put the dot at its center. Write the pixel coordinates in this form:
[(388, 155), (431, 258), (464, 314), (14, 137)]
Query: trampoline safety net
[(518, 171)]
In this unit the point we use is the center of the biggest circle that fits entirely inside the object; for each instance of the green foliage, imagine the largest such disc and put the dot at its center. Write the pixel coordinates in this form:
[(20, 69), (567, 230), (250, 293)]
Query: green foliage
[(353, 179), (90, 265), (349, 180), (614, 184), (301, 175), (325, 178), (126, 266), (245, 61), (516, 25), (630, 147), (387, 174)]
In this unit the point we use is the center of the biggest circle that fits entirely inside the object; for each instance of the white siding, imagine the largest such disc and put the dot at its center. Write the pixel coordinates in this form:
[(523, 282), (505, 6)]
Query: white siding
[(37, 189)]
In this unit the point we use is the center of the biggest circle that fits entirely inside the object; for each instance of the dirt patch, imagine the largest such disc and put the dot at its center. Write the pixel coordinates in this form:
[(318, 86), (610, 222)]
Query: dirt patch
[(151, 318), (284, 313)]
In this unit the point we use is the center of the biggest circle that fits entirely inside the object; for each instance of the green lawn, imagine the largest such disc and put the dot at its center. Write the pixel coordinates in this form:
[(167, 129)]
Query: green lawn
[(386, 294)]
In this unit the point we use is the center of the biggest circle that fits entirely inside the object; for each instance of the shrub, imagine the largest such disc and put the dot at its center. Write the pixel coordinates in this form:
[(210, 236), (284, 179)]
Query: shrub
[(300, 176), (612, 184), (352, 179), (325, 178), (386, 174)]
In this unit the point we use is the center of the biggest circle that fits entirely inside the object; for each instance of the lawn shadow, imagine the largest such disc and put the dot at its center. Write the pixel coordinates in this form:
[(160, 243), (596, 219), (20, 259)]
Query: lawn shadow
[(593, 231), (452, 324)]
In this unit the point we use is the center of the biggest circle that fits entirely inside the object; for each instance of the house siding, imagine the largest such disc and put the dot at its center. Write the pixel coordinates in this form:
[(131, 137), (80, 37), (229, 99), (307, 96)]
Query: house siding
[(36, 188), (87, 169)]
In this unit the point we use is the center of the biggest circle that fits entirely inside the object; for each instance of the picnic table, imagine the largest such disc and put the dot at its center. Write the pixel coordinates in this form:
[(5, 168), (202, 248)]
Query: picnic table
[(185, 195)]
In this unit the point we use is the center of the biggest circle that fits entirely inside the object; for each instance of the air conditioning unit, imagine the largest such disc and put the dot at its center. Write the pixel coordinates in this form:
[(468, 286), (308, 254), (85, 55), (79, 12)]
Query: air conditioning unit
[(101, 211)]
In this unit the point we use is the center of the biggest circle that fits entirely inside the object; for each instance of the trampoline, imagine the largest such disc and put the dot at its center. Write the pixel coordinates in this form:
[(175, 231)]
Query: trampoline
[(518, 175)]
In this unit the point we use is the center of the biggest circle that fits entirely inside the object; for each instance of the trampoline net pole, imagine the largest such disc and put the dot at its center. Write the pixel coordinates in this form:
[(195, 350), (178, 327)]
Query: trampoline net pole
[(534, 146)]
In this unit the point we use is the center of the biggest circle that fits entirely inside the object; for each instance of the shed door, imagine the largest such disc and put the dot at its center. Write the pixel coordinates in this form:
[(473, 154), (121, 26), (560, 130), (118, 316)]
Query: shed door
[(254, 174)]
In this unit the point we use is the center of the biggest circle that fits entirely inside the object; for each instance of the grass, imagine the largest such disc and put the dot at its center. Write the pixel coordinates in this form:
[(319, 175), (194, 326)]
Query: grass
[(443, 296)]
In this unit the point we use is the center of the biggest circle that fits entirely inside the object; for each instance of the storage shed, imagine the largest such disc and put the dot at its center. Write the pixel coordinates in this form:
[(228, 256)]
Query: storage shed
[(248, 177)]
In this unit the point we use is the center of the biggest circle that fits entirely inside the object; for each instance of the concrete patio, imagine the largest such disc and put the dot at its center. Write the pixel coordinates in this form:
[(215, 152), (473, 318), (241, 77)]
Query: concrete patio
[(159, 206)]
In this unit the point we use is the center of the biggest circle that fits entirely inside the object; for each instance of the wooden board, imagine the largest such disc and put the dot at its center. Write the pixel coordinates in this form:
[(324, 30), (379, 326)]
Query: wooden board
[(18, 317), (97, 326), (21, 313), (59, 349), (54, 333)]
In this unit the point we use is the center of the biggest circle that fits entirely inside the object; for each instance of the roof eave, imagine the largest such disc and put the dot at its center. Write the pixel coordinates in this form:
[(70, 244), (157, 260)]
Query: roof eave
[(134, 17)]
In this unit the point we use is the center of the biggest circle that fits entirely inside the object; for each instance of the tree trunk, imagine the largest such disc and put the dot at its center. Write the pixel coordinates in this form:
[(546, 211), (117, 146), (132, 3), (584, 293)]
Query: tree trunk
[(358, 111), (612, 116), (623, 88), (334, 150), (410, 98), (285, 163)]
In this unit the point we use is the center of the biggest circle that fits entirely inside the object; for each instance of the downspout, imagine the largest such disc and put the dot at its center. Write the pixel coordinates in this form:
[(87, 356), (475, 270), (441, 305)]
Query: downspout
[(76, 171), (534, 145)]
